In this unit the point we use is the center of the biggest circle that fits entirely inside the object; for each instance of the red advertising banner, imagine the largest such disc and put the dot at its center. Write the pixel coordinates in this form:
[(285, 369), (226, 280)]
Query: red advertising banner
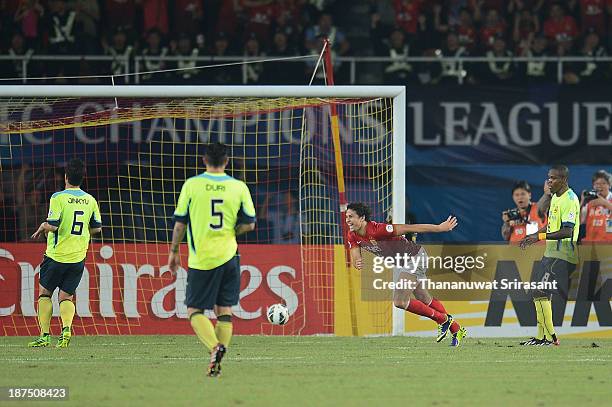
[(127, 289)]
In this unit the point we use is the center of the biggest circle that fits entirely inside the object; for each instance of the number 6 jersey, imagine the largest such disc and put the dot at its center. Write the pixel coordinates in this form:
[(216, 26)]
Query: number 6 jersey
[(73, 211)]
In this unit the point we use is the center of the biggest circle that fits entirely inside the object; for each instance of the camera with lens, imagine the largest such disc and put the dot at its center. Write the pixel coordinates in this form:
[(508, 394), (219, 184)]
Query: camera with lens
[(514, 214), (588, 196)]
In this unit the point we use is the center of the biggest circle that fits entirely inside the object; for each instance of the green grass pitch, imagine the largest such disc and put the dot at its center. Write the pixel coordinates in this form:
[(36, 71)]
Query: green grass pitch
[(313, 371)]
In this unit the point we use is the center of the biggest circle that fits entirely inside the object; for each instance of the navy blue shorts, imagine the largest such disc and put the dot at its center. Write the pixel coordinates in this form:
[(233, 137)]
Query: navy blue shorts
[(219, 286), (551, 269), (66, 276)]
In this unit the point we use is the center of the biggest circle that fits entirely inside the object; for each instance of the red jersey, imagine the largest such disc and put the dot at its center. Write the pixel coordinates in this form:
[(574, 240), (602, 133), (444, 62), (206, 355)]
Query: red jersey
[(407, 15), (466, 36), (598, 223), (561, 31), (380, 239), (488, 34), (592, 15)]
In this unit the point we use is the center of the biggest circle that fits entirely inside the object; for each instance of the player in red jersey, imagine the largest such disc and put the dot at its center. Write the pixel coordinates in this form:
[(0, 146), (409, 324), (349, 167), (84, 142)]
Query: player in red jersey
[(382, 239)]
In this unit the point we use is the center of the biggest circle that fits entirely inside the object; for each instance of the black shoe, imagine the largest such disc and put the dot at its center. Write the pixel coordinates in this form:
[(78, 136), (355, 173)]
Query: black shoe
[(444, 328), (529, 342), (545, 342), (214, 369)]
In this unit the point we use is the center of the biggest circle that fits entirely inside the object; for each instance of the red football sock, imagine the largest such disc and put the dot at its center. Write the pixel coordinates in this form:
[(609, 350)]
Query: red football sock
[(454, 327), (417, 307), (437, 305)]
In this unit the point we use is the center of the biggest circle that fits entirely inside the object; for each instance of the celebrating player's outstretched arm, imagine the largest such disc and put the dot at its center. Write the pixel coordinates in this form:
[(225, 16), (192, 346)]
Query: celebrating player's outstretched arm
[(449, 224)]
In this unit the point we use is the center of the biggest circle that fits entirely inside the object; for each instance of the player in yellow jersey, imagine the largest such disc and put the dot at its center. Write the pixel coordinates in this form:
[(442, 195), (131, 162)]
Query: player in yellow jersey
[(213, 208), (73, 217), (561, 254)]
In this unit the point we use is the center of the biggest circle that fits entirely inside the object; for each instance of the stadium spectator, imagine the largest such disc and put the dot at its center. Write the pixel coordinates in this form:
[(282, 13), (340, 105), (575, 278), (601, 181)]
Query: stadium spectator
[(28, 18), (62, 29), (155, 15), (252, 72), (494, 26), (560, 29), (188, 59), (121, 13), (188, 17), (592, 16), (121, 52), (282, 73), (227, 21), (407, 13), (466, 32), (448, 13), (151, 53), (6, 26), (523, 220), (590, 71), (596, 209), (287, 20), (496, 71), (537, 71), (326, 28), (526, 27), (14, 68), (259, 15), (226, 75), (88, 17), (398, 72), (450, 71)]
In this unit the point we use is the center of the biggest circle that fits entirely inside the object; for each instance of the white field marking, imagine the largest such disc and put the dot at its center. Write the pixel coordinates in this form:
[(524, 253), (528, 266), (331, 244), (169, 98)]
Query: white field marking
[(16, 345), (299, 359)]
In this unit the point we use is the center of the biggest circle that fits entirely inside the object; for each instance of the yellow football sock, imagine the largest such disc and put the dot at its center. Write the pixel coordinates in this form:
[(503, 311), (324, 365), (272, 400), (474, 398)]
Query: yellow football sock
[(45, 309), (549, 328), (540, 318), (67, 313), (224, 329), (204, 329)]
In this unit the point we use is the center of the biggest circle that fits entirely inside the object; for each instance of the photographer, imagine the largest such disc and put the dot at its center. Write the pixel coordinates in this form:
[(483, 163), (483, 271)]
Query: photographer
[(596, 209), (525, 219)]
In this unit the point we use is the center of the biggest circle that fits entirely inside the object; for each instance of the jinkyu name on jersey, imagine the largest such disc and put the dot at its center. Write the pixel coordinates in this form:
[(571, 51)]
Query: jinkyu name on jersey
[(503, 284)]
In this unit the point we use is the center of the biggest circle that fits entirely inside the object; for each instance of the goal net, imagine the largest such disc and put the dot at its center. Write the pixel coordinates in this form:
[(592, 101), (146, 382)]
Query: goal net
[(139, 145)]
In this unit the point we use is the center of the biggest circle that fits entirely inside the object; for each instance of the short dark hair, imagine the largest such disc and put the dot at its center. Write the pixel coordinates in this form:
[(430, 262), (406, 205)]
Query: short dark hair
[(603, 174), (216, 154), (562, 169), (75, 170), (521, 185), (361, 209)]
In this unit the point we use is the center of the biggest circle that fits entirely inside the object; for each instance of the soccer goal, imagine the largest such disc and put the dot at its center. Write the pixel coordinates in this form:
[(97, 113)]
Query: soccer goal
[(301, 162)]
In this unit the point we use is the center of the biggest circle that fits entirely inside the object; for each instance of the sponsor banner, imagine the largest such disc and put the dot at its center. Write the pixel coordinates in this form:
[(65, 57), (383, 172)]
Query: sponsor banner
[(127, 289), (492, 125), (253, 137)]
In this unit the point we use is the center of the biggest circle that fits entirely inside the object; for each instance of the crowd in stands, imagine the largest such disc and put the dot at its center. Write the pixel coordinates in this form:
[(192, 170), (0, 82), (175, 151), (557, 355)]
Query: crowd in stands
[(492, 28), (185, 29)]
